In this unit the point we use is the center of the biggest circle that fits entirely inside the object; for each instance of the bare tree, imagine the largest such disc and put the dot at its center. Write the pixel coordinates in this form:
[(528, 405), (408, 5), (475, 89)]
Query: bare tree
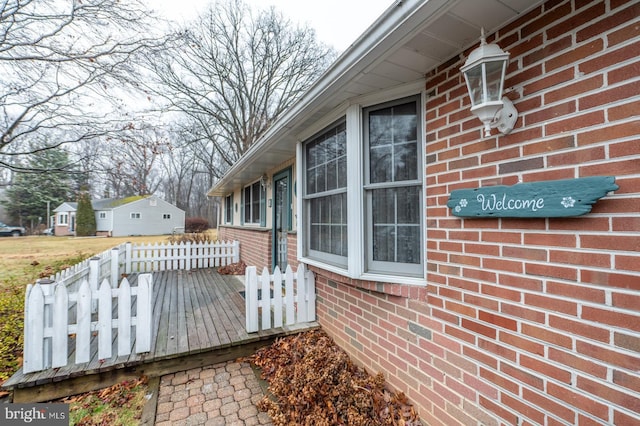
[(131, 163), (233, 73), (62, 64)]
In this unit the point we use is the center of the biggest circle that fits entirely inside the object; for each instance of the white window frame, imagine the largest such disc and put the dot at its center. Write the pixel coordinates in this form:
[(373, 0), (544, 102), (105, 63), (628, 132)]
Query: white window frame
[(64, 219), (166, 216), (322, 256), (102, 215), (378, 266), (135, 215), (228, 209), (356, 267), (251, 204)]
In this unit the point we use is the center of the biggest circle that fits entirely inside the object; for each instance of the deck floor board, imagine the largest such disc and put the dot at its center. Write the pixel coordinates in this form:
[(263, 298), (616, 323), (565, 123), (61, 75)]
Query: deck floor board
[(197, 315)]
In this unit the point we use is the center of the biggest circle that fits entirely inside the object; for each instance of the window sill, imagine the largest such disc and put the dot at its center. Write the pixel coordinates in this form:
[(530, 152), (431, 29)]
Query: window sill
[(247, 227), (387, 284)]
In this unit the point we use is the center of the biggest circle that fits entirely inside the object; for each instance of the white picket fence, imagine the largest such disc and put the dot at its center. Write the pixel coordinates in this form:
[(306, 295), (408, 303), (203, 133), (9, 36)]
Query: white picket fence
[(182, 256), (73, 294), (277, 299), (53, 314), (130, 258)]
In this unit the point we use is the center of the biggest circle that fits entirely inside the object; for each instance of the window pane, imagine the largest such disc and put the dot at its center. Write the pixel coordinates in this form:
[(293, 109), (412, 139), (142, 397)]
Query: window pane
[(311, 155), (408, 244), (380, 127), (383, 206), (396, 224), (321, 179), (404, 123), (393, 144), (247, 204), (380, 164), (383, 243), (332, 175), (311, 181), (405, 162), (342, 172), (324, 238), (408, 205), (314, 237), (328, 224)]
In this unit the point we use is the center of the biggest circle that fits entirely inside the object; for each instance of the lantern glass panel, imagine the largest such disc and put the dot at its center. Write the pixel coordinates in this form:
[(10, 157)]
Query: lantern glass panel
[(474, 84), (494, 73)]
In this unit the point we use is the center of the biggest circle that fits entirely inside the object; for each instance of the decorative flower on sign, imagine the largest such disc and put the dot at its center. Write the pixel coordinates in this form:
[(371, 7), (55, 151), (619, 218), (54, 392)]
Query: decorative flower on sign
[(568, 202), (461, 204)]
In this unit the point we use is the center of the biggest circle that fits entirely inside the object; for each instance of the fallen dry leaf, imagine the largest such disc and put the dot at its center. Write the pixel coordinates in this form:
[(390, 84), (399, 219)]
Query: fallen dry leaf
[(312, 381)]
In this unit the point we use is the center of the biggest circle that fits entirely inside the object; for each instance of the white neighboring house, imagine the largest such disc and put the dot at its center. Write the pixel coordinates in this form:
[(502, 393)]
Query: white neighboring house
[(147, 215)]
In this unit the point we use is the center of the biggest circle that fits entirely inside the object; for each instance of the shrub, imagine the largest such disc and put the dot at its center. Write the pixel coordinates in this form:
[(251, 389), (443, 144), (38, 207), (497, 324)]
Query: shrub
[(85, 216), (11, 330), (203, 237), (196, 224)]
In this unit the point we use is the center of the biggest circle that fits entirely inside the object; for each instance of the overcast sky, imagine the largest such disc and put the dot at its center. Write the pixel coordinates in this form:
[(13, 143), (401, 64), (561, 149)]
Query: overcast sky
[(337, 22)]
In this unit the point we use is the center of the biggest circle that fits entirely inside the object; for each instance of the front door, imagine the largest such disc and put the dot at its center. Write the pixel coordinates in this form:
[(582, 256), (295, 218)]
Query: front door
[(281, 217)]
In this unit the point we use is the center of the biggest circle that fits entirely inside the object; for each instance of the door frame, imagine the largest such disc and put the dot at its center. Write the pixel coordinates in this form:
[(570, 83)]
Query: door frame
[(282, 174)]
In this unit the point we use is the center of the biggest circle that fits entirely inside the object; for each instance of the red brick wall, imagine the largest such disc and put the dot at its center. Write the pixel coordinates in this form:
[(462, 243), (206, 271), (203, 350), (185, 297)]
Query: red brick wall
[(522, 321), (255, 245)]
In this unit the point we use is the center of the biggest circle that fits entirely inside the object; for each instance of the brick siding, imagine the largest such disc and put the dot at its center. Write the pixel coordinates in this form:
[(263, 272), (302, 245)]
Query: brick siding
[(522, 321), (255, 245)]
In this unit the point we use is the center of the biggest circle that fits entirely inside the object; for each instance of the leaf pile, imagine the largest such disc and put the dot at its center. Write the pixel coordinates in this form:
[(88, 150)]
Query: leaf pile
[(233, 269), (312, 381)]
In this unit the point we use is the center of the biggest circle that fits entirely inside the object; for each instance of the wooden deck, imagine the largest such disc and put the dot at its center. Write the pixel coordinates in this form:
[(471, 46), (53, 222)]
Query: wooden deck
[(198, 320)]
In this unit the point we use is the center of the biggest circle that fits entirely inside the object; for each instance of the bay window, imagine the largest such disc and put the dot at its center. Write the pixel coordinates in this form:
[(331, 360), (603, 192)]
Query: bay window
[(363, 193), (393, 188), (326, 195)]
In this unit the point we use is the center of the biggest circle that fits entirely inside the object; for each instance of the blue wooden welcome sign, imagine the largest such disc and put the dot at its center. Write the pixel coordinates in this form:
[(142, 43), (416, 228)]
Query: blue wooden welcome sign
[(555, 198)]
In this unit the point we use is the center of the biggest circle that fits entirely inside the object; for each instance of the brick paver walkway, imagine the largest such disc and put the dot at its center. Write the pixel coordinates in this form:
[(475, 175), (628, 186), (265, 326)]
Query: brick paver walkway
[(223, 394)]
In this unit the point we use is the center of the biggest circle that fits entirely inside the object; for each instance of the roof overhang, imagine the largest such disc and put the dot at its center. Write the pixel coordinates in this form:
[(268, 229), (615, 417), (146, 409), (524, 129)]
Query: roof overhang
[(411, 38)]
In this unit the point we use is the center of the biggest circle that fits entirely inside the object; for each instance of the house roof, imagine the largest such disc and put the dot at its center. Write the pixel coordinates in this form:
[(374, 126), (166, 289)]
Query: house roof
[(114, 203), (103, 204), (411, 38), (66, 207)]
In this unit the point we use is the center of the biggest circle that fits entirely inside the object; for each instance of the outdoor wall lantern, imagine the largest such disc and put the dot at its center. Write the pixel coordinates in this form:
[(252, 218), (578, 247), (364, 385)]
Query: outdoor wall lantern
[(264, 181), (484, 72)]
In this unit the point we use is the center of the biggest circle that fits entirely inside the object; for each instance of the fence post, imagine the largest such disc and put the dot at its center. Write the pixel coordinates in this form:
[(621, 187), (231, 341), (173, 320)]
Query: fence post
[(127, 258), (301, 291), (115, 269), (187, 256), (236, 251), (83, 323), (59, 339), (277, 297), (265, 298), (289, 296), (33, 329), (251, 299), (124, 318), (104, 320), (46, 285), (94, 277), (310, 280), (143, 313)]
